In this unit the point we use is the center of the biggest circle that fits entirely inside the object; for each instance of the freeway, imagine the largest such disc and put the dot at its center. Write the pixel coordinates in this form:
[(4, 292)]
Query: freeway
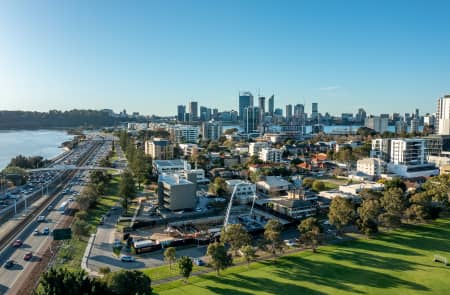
[(12, 280)]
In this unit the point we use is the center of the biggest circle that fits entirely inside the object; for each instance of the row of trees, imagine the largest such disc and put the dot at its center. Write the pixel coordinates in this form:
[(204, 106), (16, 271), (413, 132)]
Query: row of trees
[(28, 162), (392, 207), (63, 281), (98, 183)]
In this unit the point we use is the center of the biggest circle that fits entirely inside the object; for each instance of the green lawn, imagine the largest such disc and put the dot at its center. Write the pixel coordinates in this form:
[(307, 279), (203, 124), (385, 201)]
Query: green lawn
[(72, 251), (399, 262), (163, 272)]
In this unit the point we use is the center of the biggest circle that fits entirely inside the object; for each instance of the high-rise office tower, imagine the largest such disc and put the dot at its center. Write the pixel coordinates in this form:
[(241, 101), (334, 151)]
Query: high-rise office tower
[(181, 111), (299, 111), (262, 108), (193, 110), (245, 101), (315, 112), (215, 114), (443, 115), (288, 111), (361, 115), (271, 105), (251, 119), (205, 114)]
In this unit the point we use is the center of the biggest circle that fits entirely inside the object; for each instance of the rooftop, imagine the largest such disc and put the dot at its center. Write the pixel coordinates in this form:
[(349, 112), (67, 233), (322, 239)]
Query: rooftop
[(173, 179), (169, 163)]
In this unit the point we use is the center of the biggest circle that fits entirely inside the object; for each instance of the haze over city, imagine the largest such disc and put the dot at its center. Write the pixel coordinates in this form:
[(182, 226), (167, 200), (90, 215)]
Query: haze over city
[(115, 54)]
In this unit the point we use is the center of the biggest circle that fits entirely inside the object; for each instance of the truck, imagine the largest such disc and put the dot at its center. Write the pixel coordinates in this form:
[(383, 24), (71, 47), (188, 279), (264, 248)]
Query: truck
[(63, 207)]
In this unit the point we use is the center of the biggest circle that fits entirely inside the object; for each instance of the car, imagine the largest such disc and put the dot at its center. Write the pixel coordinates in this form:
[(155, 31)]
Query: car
[(9, 264), (127, 258), (198, 262), (41, 218), (17, 243), (291, 243), (28, 256), (36, 233), (46, 231)]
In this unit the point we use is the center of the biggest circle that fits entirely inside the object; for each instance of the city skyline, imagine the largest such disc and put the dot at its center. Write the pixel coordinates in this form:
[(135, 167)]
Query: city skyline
[(108, 55)]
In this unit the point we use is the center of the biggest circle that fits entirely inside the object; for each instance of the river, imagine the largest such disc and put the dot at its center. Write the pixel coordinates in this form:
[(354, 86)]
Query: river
[(45, 143)]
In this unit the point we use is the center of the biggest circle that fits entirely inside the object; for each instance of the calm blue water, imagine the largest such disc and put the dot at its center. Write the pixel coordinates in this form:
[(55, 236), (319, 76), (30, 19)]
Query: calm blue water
[(45, 143)]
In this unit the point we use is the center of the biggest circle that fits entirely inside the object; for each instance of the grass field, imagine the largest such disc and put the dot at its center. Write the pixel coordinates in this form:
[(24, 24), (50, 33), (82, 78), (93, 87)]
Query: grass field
[(72, 251), (399, 262), (164, 271)]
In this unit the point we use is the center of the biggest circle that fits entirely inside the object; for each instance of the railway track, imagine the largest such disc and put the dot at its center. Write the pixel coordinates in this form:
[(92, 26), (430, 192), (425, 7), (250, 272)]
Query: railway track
[(8, 238)]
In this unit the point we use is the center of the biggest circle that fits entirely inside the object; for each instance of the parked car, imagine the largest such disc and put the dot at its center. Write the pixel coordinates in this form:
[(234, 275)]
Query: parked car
[(28, 256), (41, 218), (46, 231), (198, 262), (9, 264), (17, 243), (36, 233), (127, 258)]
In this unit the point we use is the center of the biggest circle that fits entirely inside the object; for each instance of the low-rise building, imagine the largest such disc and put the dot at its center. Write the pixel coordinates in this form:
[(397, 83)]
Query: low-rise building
[(373, 167), (270, 155), (296, 205), (273, 186), (255, 147), (176, 193), (170, 166), (355, 189), (245, 190)]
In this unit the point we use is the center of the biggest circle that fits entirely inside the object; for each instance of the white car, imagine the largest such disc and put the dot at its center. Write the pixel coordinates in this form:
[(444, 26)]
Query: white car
[(127, 258)]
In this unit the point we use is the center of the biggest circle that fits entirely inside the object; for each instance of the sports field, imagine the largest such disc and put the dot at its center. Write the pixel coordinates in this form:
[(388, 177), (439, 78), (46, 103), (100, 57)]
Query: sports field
[(399, 262)]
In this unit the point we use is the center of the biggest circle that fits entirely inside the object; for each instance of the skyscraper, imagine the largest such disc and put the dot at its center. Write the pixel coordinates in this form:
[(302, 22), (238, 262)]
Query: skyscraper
[(181, 111), (262, 108), (361, 115), (193, 110), (245, 101), (299, 111), (443, 115), (251, 119), (288, 111), (315, 112), (271, 105)]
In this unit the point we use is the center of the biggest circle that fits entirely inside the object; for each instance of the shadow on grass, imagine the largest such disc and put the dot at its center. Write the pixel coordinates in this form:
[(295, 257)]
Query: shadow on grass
[(252, 284), (338, 276)]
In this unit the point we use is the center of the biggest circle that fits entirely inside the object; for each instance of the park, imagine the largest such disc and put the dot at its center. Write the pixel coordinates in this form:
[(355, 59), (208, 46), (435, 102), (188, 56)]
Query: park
[(395, 262)]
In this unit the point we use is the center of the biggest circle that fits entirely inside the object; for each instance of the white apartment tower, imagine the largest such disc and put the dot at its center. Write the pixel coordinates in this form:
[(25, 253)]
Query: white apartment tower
[(443, 115)]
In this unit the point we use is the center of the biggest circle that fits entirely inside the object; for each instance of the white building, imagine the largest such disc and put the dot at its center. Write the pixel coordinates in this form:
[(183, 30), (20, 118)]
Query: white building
[(408, 158), (187, 149), (354, 189), (371, 166), (377, 123), (211, 130), (273, 186), (255, 147), (381, 149), (270, 155), (170, 166), (184, 133), (443, 115), (245, 190)]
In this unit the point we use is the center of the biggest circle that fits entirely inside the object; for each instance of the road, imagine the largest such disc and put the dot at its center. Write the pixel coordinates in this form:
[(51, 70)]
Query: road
[(11, 279)]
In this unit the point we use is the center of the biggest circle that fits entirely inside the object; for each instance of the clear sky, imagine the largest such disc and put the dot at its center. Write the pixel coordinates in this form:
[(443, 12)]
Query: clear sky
[(150, 56)]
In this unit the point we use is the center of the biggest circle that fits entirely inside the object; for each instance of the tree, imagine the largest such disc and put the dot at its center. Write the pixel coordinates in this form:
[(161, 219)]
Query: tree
[(219, 256), (394, 204), (63, 281), (318, 186), (104, 270), (185, 266), (394, 183), (341, 212), (218, 186), (127, 188), (368, 215), (309, 232), (128, 282), (389, 220), (308, 182), (170, 256), (235, 235), (80, 228), (416, 213), (249, 254), (272, 233)]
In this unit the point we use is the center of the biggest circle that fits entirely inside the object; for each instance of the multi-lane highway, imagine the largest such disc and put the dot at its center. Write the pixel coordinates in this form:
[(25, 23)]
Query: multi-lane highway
[(12, 279)]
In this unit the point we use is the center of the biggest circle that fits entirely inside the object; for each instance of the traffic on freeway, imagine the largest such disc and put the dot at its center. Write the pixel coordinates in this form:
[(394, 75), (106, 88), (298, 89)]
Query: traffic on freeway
[(28, 245)]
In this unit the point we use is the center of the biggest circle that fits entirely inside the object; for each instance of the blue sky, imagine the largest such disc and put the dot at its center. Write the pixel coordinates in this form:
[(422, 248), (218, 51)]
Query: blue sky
[(150, 56)]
